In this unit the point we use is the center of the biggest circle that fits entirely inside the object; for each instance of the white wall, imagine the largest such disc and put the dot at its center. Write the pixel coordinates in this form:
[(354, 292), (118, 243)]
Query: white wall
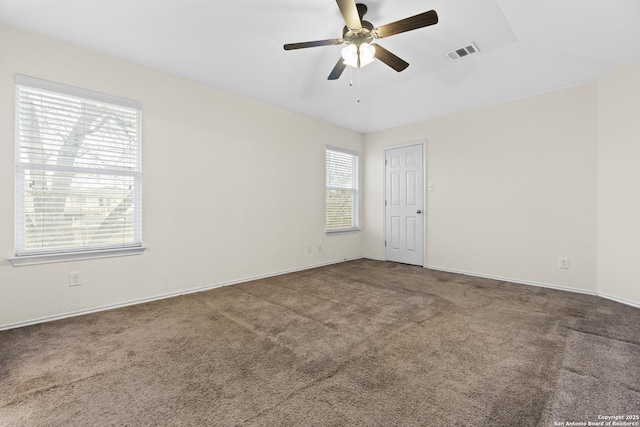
[(517, 185), (232, 188), (515, 189), (619, 184)]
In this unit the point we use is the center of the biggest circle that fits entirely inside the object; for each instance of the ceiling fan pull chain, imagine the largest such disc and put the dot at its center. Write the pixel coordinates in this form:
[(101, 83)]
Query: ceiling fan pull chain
[(358, 77)]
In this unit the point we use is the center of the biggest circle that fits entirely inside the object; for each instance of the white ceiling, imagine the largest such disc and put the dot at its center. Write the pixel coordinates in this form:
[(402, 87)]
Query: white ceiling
[(527, 47)]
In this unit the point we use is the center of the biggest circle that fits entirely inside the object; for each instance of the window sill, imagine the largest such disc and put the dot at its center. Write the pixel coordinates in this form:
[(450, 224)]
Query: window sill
[(342, 230), (73, 256)]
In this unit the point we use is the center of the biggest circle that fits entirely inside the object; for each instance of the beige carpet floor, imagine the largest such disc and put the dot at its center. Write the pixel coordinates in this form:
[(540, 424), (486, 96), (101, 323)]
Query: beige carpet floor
[(362, 343)]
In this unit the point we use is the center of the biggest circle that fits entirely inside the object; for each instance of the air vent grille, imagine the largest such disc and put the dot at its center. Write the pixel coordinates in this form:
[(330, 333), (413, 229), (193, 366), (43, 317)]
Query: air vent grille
[(463, 51)]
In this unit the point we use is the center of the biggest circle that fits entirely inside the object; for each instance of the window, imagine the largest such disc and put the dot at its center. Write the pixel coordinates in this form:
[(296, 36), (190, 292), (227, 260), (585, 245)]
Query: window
[(342, 190), (78, 172)]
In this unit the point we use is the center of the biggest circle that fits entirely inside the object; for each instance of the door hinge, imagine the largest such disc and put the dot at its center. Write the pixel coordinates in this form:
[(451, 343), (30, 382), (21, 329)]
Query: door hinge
[(385, 203), (385, 243), (385, 162)]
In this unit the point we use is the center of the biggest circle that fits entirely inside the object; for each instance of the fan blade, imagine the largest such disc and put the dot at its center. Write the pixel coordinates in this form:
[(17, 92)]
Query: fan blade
[(408, 24), (303, 45), (337, 70), (390, 59), (350, 13)]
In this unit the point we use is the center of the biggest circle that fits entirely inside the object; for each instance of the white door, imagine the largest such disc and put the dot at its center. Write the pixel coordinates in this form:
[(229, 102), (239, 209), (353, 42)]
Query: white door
[(404, 206)]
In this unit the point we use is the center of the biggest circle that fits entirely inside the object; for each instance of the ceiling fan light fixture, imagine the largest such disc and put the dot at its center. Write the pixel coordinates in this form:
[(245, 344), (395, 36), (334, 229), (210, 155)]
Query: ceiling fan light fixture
[(365, 51), (350, 55), (367, 54)]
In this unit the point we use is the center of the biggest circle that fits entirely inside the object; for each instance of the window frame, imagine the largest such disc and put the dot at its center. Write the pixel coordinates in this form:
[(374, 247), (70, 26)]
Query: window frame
[(27, 256), (355, 223)]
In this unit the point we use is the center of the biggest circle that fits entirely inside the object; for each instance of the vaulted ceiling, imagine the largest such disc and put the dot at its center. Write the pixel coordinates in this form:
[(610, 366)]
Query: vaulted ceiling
[(526, 47)]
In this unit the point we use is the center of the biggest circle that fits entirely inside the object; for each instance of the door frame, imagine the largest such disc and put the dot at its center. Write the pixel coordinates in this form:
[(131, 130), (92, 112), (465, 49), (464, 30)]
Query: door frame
[(422, 142)]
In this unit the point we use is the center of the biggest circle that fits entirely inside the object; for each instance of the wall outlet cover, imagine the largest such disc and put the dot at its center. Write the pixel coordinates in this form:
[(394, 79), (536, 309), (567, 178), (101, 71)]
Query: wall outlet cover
[(74, 278)]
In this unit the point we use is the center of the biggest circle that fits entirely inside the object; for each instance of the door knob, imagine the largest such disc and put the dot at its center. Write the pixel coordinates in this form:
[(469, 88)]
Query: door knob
[(419, 211)]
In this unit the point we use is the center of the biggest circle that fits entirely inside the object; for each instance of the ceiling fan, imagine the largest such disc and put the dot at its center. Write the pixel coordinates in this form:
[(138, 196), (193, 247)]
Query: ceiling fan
[(359, 34)]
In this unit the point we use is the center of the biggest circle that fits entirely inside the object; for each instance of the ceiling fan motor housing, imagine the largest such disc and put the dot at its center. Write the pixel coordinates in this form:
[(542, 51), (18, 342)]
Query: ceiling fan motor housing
[(358, 36)]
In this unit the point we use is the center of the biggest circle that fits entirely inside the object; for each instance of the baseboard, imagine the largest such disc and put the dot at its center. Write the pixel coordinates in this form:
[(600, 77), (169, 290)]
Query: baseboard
[(620, 300), (293, 270), (165, 296), (512, 280), (542, 285)]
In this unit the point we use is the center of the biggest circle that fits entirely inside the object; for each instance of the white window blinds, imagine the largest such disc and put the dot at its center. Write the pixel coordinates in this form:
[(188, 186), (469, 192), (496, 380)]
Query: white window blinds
[(78, 169), (342, 190)]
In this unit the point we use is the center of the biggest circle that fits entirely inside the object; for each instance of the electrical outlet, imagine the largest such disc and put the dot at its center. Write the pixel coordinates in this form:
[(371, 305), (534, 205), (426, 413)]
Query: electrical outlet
[(309, 249), (319, 247), (563, 262), (74, 278), (431, 186)]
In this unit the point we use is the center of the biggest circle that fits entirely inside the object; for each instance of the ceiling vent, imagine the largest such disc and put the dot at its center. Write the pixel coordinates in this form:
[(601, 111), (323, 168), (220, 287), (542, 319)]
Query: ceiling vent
[(463, 51)]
